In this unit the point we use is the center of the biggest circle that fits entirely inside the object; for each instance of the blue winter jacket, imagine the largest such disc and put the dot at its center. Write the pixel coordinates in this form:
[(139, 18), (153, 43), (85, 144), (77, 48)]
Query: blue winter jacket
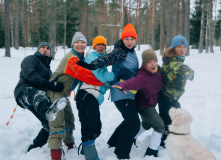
[(101, 74), (127, 70)]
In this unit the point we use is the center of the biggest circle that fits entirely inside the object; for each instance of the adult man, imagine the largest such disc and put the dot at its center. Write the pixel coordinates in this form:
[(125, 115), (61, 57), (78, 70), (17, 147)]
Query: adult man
[(29, 92)]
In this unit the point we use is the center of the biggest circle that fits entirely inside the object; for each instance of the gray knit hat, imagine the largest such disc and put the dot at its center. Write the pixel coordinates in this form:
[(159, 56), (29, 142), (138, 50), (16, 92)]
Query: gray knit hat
[(44, 44), (78, 36), (148, 55)]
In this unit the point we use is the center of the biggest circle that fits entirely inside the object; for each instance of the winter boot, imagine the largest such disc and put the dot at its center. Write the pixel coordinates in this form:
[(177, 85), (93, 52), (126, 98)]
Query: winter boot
[(70, 145), (58, 105), (55, 154), (89, 150), (151, 152), (40, 140)]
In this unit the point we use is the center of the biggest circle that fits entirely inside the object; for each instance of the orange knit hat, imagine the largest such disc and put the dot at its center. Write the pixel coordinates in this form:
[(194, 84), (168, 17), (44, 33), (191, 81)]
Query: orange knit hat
[(99, 39), (129, 31)]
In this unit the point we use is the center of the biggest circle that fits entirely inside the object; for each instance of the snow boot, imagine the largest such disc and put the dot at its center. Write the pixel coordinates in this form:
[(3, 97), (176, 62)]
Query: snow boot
[(151, 152), (89, 150), (70, 145), (58, 105), (56, 154), (40, 140)]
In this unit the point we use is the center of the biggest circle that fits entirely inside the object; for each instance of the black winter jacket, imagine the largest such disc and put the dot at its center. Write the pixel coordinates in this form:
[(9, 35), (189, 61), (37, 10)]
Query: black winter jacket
[(35, 72)]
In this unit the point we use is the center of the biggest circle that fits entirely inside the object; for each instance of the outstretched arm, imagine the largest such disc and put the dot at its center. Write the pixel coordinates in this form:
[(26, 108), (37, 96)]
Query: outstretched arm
[(116, 56), (81, 73)]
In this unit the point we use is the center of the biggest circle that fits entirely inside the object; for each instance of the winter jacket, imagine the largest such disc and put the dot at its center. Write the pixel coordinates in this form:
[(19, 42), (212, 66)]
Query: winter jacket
[(101, 74), (68, 71), (174, 74), (35, 72), (125, 65), (148, 85)]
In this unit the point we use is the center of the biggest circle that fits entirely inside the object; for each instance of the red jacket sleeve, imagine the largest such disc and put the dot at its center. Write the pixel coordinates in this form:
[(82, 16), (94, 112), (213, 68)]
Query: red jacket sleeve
[(81, 73)]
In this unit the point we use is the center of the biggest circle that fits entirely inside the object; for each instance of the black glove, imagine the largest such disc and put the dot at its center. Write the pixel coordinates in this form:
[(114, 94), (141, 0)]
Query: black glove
[(55, 86), (86, 65)]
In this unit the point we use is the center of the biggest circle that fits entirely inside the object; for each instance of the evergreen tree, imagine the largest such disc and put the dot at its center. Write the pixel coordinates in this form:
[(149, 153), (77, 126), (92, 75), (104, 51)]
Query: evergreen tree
[(195, 23)]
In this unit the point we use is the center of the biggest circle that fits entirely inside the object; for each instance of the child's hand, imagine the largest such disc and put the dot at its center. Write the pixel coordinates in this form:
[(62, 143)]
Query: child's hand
[(119, 87)]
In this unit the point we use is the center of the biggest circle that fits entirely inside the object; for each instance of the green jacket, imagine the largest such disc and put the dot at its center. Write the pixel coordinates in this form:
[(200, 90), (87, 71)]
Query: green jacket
[(174, 74)]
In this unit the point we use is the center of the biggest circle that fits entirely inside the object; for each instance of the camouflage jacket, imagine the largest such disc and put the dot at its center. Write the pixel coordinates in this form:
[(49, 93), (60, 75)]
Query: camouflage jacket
[(174, 74)]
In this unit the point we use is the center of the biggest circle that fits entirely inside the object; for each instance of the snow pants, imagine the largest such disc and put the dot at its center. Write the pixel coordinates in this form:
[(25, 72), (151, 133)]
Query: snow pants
[(123, 136), (165, 104), (89, 115), (62, 127), (151, 119), (30, 99)]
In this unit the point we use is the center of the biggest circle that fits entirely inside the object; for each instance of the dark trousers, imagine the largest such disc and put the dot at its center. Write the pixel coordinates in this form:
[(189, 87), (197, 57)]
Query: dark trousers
[(30, 99), (89, 115), (123, 136), (165, 104)]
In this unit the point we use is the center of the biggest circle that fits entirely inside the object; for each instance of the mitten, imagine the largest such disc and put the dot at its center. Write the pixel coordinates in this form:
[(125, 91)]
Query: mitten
[(190, 76), (55, 86), (86, 65)]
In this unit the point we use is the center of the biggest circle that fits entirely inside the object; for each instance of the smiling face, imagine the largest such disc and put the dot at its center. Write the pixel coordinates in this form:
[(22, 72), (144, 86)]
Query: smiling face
[(129, 42), (79, 46), (180, 50), (44, 50), (151, 66)]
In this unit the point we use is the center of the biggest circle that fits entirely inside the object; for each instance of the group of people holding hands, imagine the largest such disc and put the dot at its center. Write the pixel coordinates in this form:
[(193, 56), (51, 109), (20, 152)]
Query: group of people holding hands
[(135, 91)]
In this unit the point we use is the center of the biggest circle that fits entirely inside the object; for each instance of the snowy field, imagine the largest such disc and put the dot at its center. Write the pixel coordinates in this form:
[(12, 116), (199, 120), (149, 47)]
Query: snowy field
[(202, 99)]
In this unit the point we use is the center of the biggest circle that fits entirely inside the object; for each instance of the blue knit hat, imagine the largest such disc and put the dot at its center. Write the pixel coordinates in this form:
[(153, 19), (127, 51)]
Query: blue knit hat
[(44, 44), (179, 40)]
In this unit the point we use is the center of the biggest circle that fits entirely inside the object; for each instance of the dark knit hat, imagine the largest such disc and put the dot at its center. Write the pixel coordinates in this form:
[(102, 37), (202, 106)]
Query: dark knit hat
[(179, 40), (148, 55), (44, 44), (78, 36)]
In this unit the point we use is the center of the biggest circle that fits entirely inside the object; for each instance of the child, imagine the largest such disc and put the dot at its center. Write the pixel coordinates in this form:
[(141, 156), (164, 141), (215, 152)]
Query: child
[(148, 82), (174, 74), (88, 99)]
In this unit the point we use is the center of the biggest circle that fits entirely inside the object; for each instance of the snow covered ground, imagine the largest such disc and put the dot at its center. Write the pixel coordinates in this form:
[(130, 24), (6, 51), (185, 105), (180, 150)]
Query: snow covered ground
[(202, 99)]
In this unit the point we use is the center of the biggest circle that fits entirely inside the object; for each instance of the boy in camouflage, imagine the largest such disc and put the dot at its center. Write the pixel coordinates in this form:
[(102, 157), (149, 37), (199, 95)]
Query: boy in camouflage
[(174, 74)]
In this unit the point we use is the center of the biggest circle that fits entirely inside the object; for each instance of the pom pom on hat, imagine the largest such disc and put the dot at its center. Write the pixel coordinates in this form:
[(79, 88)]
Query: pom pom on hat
[(99, 39), (44, 44), (78, 36), (129, 31), (148, 55), (179, 40)]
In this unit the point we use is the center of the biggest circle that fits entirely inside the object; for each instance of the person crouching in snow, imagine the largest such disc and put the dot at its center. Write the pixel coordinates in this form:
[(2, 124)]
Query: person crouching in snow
[(88, 99), (70, 75), (30, 91), (148, 82)]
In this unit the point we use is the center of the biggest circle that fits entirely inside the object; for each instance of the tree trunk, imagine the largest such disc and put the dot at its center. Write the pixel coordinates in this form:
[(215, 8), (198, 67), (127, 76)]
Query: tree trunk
[(162, 36), (153, 23), (183, 17), (187, 24), (138, 26), (207, 27), (16, 24), (7, 29), (52, 35), (170, 24), (201, 43), (11, 9), (211, 27), (23, 24), (177, 19)]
